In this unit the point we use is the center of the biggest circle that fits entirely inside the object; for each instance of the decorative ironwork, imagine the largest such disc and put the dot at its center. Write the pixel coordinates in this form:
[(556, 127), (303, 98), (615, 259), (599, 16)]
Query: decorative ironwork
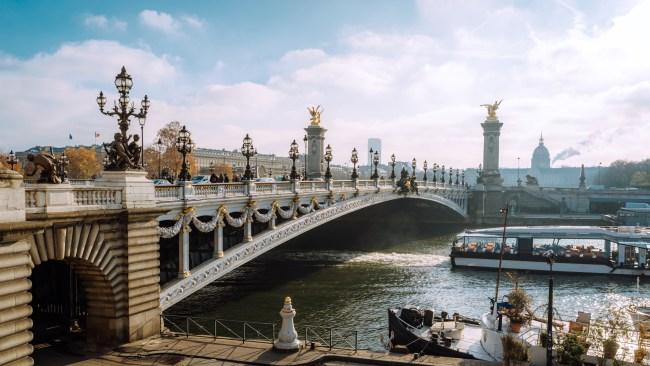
[(248, 150), (392, 164), (354, 159), (435, 168), (450, 175), (293, 155), (457, 175), (124, 152), (442, 175), (328, 159), (11, 159), (184, 145), (375, 162)]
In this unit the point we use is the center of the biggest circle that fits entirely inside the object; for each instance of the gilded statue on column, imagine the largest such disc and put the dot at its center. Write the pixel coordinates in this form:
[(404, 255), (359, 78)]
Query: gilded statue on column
[(492, 109), (315, 114)]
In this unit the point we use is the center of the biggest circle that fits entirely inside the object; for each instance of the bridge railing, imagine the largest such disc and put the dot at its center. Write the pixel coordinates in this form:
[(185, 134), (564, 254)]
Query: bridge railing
[(63, 198)]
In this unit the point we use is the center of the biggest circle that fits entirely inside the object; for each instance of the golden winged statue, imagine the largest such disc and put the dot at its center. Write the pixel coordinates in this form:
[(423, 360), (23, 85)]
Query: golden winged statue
[(492, 108), (315, 114)]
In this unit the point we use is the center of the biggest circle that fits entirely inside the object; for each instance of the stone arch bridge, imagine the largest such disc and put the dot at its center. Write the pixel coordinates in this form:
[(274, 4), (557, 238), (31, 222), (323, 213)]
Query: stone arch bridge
[(108, 233)]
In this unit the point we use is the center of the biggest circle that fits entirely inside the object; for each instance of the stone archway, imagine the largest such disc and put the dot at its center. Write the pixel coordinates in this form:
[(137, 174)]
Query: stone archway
[(95, 259)]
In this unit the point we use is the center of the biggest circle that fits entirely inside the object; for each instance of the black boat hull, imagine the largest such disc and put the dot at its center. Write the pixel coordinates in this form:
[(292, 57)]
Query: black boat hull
[(400, 335)]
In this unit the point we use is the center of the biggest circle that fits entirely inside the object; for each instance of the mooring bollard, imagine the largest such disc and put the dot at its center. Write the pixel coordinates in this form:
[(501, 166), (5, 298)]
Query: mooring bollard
[(287, 337)]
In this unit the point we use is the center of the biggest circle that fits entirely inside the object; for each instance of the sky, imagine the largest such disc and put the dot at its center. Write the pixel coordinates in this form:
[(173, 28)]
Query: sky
[(413, 73)]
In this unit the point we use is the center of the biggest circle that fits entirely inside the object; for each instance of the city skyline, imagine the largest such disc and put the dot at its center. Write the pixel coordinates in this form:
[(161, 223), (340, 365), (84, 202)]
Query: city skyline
[(410, 73)]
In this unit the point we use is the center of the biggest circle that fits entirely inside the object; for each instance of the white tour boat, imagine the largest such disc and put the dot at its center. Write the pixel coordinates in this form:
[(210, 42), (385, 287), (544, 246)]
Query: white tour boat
[(578, 249)]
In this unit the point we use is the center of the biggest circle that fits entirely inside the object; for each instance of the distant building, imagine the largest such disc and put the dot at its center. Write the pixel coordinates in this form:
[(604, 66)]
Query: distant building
[(261, 164), (541, 157), (375, 145)]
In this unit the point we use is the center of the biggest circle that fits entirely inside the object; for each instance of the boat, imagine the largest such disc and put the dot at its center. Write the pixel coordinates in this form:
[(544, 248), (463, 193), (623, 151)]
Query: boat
[(578, 249), (423, 332)]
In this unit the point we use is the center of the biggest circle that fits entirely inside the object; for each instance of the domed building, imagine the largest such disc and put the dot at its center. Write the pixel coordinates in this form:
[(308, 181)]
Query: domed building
[(541, 157)]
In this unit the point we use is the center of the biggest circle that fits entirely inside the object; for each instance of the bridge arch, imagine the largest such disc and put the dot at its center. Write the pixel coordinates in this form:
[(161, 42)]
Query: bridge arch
[(91, 254), (269, 239)]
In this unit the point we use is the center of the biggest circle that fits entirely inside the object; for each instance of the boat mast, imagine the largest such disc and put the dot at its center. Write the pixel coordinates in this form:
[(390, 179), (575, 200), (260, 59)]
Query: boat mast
[(504, 211)]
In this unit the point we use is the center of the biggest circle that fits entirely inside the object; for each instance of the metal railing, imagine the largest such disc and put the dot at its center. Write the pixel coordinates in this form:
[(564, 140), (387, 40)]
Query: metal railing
[(328, 337)]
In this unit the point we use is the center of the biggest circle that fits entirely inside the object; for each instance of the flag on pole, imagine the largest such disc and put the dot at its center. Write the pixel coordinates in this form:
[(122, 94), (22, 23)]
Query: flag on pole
[(70, 136), (96, 134)]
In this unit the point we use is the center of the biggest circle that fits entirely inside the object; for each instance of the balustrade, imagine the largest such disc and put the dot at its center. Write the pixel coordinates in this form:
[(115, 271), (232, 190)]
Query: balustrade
[(41, 198)]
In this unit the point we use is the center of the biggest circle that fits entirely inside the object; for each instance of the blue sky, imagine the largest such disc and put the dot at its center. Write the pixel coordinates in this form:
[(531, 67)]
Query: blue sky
[(410, 72)]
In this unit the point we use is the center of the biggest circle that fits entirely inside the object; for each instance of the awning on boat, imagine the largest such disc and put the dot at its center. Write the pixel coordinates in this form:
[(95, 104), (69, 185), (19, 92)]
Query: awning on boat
[(638, 244)]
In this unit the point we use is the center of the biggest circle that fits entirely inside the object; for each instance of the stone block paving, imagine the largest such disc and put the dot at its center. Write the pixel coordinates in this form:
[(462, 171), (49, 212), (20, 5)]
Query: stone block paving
[(204, 351)]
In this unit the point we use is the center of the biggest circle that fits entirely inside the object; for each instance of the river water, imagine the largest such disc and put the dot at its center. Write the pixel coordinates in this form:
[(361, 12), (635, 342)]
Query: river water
[(353, 287)]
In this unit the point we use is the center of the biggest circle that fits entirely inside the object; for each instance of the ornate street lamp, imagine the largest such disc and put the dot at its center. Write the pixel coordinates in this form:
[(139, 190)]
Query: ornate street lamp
[(328, 158), (293, 155), (435, 167), (305, 139), (248, 150), (414, 164), (63, 162), (375, 161), (120, 153), (457, 175), (425, 166), (354, 159), (11, 159), (463, 177), (392, 164), (141, 121), (450, 176), (442, 175), (184, 145), (159, 144)]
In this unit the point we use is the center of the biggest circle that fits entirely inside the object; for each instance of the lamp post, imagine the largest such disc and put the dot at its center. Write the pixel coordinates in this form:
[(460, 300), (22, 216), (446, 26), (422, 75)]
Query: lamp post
[(518, 178), (599, 164), (63, 162), (11, 159), (550, 258), (375, 162), (414, 164), (184, 145), (305, 139), (354, 159), (463, 177), (293, 155), (435, 168), (141, 121), (457, 175), (248, 150), (392, 164), (442, 175), (450, 176), (159, 144), (123, 111), (328, 158), (425, 166)]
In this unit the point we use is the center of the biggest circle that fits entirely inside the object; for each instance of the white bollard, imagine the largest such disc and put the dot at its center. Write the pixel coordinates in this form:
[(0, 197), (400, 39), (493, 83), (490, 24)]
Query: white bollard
[(287, 337)]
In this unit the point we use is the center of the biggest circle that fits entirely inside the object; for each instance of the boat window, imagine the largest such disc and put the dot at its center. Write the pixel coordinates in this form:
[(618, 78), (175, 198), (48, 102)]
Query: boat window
[(569, 248), (483, 244)]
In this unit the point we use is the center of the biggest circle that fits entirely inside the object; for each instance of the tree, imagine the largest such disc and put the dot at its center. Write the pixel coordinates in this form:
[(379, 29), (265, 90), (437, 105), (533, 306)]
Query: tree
[(83, 163), (170, 159), (3, 163)]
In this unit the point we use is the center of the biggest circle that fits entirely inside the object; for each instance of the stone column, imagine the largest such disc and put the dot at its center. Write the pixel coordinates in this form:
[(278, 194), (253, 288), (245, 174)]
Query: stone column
[(12, 196), (316, 141), (248, 229), (272, 223), (218, 240), (184, 252), (491, 133)]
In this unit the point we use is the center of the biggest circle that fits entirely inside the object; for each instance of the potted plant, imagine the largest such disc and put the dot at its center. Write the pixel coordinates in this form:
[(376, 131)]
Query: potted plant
[(519, 301), (515, 351), (571, 350)]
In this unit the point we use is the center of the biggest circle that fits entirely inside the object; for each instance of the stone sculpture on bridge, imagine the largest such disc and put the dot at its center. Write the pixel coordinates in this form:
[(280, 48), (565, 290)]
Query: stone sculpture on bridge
[(49, 168)]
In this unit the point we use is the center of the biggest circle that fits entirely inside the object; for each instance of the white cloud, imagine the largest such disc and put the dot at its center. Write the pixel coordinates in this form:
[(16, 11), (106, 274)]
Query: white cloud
[(584, 86), (167, 23), (103, 23)]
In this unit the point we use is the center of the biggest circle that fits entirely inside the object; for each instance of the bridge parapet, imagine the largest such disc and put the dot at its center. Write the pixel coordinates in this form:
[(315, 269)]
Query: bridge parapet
[(55, 198)]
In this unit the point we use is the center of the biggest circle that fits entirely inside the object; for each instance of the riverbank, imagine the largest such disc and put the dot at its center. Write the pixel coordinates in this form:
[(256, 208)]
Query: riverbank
[(195, 350)]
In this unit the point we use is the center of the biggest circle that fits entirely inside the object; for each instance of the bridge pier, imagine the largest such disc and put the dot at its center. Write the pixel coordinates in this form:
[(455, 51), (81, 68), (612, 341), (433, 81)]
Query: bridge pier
[(218, 240)]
